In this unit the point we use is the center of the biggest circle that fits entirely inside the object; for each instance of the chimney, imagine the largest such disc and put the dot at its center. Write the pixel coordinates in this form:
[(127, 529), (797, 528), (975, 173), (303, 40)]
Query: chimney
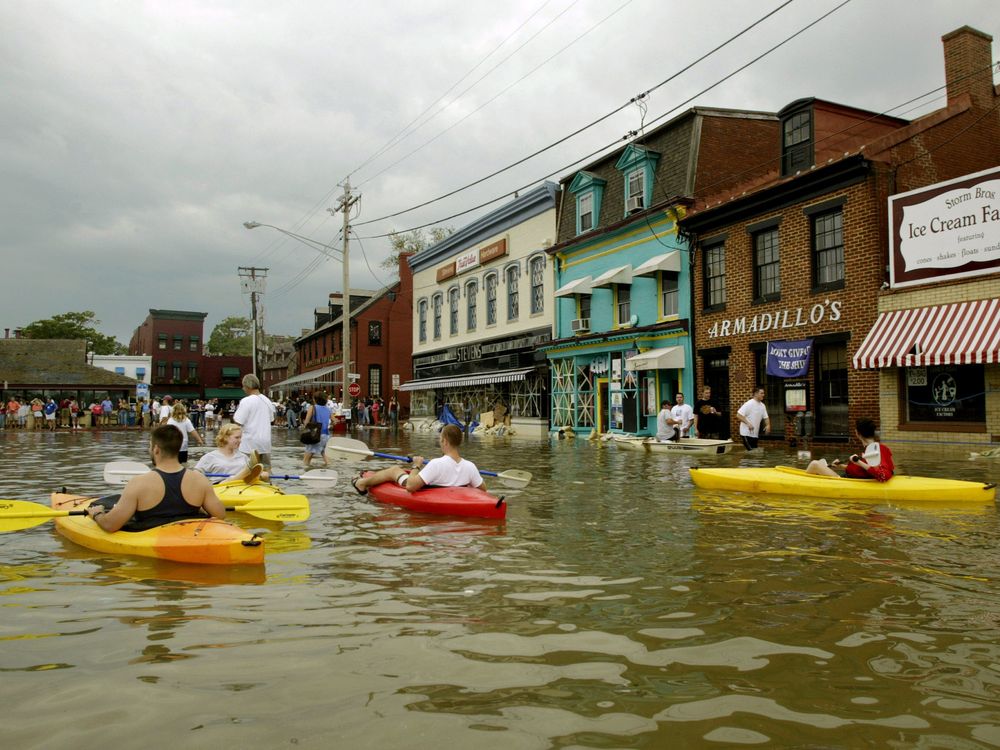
[(968, 65), (6, 333)]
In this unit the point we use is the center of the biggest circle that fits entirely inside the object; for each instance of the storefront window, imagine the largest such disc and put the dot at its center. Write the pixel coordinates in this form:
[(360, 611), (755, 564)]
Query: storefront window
[(562, 392), (374, 380), (946, 394), (831, 390)]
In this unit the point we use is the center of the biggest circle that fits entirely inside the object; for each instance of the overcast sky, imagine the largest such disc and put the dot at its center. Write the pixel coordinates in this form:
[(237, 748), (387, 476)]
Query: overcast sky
[(137, 137)]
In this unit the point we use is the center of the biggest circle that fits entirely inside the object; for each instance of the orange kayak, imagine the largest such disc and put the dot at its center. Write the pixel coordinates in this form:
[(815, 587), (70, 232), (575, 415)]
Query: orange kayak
[(208, 541)]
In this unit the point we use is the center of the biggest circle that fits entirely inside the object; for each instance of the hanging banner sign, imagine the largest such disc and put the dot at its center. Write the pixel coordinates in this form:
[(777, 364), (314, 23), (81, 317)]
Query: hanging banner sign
[(788, 359)]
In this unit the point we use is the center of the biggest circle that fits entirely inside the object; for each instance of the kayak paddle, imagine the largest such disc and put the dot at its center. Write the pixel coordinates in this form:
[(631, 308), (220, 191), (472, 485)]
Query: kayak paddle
[(355, 450), (119, 472), (21, 514)]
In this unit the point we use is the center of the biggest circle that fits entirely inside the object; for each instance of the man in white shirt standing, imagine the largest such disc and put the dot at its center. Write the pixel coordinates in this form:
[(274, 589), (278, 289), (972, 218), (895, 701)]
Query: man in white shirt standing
[(450, 470), (255, 415), (166, 408), (683, 416), (752, 415)]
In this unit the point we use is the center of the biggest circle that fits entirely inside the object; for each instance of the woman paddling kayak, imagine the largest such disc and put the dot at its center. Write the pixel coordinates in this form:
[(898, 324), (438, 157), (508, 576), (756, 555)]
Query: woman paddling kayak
[(227, 459), (875, 461)]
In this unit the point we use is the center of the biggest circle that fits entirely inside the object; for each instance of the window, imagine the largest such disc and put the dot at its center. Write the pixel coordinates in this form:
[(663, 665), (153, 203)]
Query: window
[(453, 310), (537, 273), (161, 369), (831, 390), (583, 306), (438, 302), (941, 395), (491, 299), (193, 343), (623, 303), (585, 211), (636, 189), (638, 167), (177, 371), (588, 189), (767, 265), (162, 341), (669, 295), (375, 333), (192, 370), (715, 275), (796, 143), (828, 248), (178, 343), (471, 290), (513, 277), (422, 320), (374, 380), (140, 373)]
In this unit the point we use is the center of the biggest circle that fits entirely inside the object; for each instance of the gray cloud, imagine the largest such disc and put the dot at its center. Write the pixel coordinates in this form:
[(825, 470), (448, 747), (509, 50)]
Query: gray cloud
[(138, 137)]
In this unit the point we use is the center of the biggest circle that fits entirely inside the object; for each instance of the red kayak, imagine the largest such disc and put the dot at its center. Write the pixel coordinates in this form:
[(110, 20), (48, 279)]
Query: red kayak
[(442, 501)]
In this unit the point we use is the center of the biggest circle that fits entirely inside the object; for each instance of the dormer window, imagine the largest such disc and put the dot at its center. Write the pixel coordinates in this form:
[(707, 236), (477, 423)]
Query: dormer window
[(637, 165), (796, 143), (588, 189)]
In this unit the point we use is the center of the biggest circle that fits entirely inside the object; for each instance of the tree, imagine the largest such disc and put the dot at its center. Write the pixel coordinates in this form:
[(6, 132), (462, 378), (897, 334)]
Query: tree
[(233, 335), (75, 325), (412, 242)]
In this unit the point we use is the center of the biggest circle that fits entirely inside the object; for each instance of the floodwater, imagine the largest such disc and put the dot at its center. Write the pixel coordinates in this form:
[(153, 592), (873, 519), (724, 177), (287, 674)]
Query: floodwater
[(616, 607)]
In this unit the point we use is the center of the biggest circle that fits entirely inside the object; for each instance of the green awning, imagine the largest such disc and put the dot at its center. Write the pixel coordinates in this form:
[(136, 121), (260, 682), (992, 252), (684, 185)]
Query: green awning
[(224, 393), (230, 372)]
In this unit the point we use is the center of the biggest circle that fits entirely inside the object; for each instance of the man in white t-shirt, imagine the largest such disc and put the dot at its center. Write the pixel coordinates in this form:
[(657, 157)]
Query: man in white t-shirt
[(683, 416), (451, 470), (166, 408), (752, 415), (255, 415)]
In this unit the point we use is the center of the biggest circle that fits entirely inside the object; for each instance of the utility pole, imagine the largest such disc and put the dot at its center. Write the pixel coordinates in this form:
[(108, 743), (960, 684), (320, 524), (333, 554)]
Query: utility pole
[(252, 280), (344, 205)]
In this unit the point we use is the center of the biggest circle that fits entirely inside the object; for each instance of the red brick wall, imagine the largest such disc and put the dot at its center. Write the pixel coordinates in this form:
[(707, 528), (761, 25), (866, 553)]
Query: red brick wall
[(734, 151)]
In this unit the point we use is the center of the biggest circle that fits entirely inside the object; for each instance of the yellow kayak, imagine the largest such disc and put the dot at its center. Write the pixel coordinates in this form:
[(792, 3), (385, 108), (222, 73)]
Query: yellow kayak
[(208, 541), (787, 480), (239, 493)]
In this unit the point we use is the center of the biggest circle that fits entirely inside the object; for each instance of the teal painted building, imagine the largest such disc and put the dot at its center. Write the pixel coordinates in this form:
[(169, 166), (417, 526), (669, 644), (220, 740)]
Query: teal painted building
[(622, 340)]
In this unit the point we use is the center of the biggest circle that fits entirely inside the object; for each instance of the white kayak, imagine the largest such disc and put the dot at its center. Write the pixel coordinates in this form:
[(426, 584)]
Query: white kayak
[(696, 446)]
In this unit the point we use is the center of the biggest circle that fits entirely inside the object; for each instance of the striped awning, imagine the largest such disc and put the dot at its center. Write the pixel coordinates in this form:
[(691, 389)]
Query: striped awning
[(313, 377), (504, 376), (962, 333)]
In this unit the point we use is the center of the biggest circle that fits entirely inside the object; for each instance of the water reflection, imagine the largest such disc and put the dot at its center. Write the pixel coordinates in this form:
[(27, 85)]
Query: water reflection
[(617, 606)]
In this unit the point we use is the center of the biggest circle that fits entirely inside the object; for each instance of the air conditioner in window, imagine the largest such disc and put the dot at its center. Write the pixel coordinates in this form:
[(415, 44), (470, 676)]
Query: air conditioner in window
[(634, 203), (580, 325)]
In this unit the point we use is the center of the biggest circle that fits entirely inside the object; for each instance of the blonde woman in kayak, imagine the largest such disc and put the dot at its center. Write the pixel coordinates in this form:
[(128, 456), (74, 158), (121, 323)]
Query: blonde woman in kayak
[(450, 470), (875, 461), (227, 459)]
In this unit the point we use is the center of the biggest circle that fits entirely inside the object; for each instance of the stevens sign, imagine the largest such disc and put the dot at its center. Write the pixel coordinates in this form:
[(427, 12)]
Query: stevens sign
[(948, 230)]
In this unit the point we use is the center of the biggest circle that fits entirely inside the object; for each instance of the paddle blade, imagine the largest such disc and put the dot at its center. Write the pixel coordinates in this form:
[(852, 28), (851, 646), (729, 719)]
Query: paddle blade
[(284, 508), (321, 477), (120, 472), (16, 515), (346, 448), (515, 478)]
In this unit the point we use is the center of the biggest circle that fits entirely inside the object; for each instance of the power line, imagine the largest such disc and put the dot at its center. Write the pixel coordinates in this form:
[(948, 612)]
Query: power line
[(585, 127), (399, 137), (722, 80)]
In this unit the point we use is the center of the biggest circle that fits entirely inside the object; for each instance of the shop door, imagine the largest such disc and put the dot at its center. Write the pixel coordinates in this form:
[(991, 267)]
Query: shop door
[(717, 376), (630, 406)]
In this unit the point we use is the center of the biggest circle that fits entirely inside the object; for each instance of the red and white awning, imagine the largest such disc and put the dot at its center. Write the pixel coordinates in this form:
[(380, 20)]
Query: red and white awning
[(962, 333)]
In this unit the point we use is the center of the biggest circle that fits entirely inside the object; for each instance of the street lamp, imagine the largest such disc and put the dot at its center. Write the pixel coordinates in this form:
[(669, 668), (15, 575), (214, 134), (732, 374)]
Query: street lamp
[(345, 205)]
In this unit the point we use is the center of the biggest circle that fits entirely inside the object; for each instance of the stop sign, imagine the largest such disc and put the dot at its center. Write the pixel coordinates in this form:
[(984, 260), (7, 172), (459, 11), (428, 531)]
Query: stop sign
[(354, 389)]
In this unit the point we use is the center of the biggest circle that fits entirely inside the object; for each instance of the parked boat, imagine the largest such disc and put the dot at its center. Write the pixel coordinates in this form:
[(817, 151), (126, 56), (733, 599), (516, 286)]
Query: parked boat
[(696, 446)]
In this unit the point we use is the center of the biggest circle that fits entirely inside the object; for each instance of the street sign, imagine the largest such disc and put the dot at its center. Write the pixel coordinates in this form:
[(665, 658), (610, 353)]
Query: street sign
[(395, 380), (354, 375), (354, 389)]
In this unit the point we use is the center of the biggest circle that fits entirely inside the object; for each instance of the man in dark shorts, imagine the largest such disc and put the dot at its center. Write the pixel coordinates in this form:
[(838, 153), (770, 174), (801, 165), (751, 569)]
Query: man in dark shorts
[(707, 418)]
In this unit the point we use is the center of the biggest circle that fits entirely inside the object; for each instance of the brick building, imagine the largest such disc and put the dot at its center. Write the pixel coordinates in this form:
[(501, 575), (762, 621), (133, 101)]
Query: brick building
[(798, 260), (380, 342), (175, 341)]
